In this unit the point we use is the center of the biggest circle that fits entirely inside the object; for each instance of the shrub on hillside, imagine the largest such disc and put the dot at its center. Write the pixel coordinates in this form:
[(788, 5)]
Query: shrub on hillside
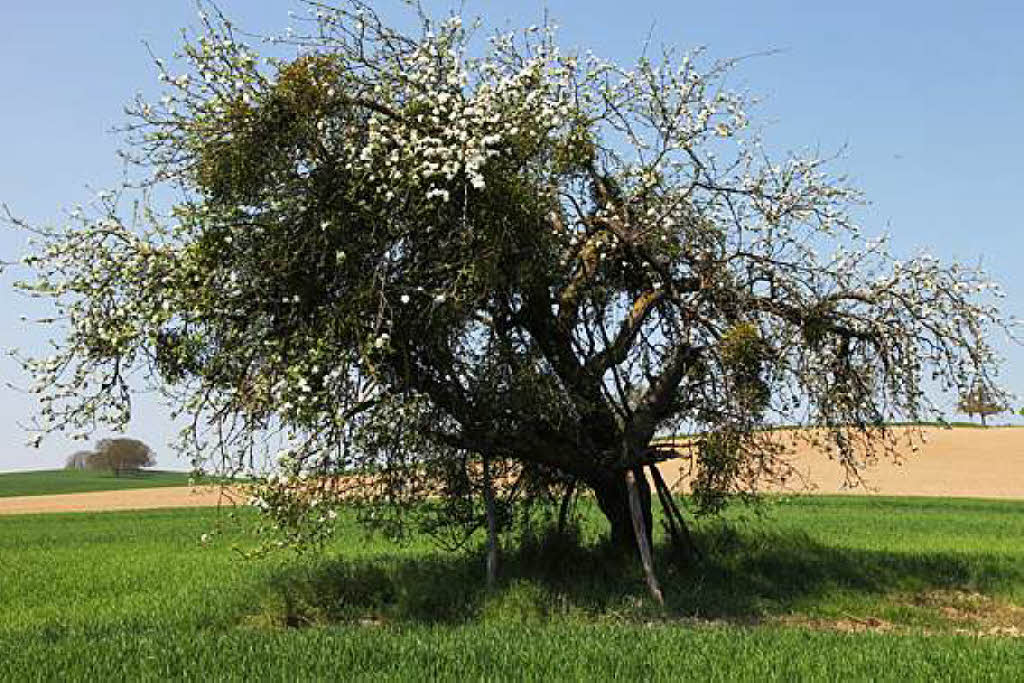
[(117, 455), (77, 460)]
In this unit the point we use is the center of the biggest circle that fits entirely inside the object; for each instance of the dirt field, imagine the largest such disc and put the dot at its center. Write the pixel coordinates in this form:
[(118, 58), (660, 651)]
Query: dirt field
[(133, 499), (981, 463), (963, 462)]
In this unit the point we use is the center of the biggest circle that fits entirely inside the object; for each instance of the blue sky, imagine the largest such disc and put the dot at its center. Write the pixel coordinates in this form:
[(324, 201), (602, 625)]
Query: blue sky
[(926, 97)]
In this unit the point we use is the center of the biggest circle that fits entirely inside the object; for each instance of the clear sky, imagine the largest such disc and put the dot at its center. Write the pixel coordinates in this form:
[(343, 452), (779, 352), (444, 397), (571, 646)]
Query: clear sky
[(926, 97)]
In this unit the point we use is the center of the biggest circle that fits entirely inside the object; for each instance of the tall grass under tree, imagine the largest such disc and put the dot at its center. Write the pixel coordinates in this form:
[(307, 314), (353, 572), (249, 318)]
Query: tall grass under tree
[(769, 603)]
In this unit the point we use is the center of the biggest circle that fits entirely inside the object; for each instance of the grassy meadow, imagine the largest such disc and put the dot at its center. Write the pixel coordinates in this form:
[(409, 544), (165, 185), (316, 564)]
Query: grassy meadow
[(46, 482), (821, 588)]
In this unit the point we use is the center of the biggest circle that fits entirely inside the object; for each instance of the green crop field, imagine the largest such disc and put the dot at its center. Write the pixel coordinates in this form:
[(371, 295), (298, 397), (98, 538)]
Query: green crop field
[(820, 588), (46, 482)]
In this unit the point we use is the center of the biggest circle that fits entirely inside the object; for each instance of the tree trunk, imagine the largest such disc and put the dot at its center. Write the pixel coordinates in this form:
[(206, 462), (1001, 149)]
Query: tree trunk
[(613, 499)]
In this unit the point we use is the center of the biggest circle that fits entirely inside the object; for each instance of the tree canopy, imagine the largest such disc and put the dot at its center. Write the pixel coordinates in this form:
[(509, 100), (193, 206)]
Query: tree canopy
[(405, 253), (77, 460), (117, 455), (121, 455), (982, 401)]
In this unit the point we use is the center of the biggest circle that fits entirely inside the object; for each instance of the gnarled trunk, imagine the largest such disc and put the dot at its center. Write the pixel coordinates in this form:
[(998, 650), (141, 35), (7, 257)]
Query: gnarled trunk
[(613, 499)]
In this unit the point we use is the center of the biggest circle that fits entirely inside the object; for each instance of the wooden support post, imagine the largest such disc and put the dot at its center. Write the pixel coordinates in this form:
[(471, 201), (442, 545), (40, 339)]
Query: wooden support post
[(677, 525), (492, 526), (640, 531), (673, 526), (566, 507)]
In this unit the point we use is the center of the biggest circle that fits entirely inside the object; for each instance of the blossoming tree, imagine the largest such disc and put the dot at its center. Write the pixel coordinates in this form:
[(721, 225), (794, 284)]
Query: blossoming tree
[(420, 257)]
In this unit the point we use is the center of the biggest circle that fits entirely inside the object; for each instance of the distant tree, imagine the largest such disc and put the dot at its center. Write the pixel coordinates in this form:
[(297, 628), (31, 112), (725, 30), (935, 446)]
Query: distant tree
[(120, 455), (980, 400), (77, 460)]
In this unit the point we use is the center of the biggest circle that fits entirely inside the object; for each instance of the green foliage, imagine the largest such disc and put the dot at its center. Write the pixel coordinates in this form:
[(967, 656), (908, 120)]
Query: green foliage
[(120, 455), (744, 354), (720, 456), (78, 460), (981, 400)]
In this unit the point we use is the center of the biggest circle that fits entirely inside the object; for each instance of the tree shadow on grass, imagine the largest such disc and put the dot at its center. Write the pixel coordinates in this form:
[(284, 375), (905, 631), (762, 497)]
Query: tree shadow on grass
[(745, 576)]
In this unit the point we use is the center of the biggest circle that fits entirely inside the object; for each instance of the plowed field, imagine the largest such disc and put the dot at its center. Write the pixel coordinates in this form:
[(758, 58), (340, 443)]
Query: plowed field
[(963, 462)]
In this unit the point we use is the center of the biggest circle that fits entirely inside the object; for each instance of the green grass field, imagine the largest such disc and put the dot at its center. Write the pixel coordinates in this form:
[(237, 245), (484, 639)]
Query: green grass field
[(137, 596), (46, 482)]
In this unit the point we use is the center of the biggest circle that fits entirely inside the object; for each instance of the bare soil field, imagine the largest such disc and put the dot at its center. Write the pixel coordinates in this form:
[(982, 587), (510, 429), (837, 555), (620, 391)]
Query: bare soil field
[(133, 499), (959, 462), (962, 462)]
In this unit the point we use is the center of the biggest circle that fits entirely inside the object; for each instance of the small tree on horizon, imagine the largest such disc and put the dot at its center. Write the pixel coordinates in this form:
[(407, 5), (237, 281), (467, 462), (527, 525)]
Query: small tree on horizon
[(77, 460), (120, 455), (982, 401)]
